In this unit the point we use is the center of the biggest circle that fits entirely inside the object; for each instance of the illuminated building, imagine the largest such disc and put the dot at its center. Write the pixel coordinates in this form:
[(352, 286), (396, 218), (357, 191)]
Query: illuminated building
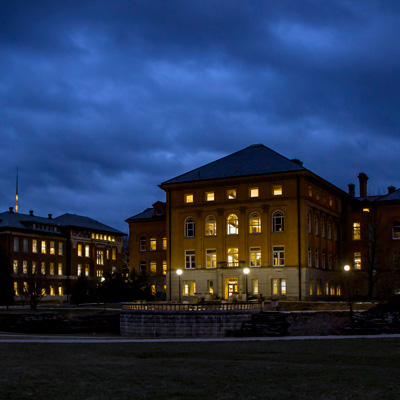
[(58, 250), (148, 247)]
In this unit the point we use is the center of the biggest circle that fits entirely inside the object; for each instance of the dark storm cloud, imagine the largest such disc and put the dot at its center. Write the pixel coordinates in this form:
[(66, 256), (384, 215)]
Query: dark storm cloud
[(100, 101)]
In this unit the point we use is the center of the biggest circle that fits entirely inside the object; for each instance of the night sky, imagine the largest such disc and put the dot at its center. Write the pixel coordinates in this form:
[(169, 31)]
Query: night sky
[(101, 101)]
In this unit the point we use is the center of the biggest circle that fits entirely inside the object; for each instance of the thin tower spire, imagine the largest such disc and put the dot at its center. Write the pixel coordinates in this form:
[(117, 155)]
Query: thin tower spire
[(16, 194)]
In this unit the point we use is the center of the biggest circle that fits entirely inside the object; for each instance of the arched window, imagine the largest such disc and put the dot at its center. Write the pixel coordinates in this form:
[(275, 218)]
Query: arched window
[(316, 223), (323, 227), (396, 230), (189, 227), (329, 231), (255, 222), (316, 262), (278, 222), (211, 226), (309, 222), (233, 224)]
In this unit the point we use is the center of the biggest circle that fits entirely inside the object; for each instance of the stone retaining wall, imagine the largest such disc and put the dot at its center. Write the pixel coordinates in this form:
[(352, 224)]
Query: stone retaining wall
[(182, 324)]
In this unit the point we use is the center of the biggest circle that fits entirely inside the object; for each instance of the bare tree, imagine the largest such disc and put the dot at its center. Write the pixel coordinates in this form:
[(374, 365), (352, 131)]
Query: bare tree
[(34, 289)]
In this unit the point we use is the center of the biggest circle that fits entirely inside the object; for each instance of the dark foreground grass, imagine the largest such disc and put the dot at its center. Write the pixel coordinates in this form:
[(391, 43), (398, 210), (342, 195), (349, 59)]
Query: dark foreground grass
[(311, 369)]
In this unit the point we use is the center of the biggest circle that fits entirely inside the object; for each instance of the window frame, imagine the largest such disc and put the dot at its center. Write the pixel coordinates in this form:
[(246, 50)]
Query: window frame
[(279, 260), (190, 227), (277, 216), (232, 229), (255, 223)]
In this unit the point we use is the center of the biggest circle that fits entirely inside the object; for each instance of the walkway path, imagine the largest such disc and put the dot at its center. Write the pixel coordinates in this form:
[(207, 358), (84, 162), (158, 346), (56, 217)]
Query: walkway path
[(18, 338)]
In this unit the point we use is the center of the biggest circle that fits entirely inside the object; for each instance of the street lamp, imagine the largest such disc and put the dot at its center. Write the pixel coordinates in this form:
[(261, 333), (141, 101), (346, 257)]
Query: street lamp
[(347, 268), (246, 272), (179, 273)]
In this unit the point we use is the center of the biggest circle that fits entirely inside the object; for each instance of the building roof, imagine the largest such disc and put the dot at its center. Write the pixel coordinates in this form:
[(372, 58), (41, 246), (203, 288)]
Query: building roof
[(253, 160), (79, 221), (147, 213), (10, 219)]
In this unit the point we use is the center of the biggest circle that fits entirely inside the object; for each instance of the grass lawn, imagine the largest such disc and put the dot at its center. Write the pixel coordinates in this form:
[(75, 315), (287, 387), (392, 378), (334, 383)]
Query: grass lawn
[(309, 369)]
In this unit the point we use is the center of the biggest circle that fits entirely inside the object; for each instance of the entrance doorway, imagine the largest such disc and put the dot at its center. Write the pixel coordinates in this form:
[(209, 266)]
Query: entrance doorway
[(231, 287)]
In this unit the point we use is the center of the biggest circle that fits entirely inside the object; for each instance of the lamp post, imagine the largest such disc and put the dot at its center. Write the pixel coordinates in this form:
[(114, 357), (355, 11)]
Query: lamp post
[(179, 273), (246, 272)]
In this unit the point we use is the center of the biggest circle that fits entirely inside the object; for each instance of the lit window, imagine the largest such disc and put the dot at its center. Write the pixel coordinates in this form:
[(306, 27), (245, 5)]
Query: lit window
[(231, 194), (16, 244), (190, 259), (52, 248), (210, 196), (153, 267), (52, 289), (277, 190), (283, 286), (319, 287), (142, 243), (153, 289), (86, 270), (278, 222), (33, 267), (254, 284), (79, 269), (210, 286), (99, 273), (312, 285), (16, 291), (24, 267), (254, 192), (275, 289), (309, 257), (211, 258), (79, 250), (189, 227), (356, 231), (51, 268), (43, 246), (396, 230), (357, 260), (309, 190), (100, 257), (87, 250), (189, 288), (316, 262), (327, 288), (43, 268), (211, 226), (233, 257), (278, 255), (60, 249), (164, 267), (255, 256), (60, 269), (60, 290), (233, 224), (332, 290), (153, 244), (366, 209), (143, 267), (114, 253), (189, 198), (164, 243), (330, 201), (108, 254), (255, 223), (25, 245)]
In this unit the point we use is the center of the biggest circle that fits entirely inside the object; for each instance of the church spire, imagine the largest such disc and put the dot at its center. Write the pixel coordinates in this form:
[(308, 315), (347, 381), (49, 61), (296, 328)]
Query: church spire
[(16, 194)]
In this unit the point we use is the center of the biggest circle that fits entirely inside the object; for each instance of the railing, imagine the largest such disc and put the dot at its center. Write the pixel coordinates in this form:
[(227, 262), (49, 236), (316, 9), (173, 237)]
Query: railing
[(227, 264), (191, 307)]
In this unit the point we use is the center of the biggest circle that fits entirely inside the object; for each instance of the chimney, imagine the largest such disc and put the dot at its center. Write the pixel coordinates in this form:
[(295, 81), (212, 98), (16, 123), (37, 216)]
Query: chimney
[(363, 184), (391, 189), (297, 161), (31, 212), (11, 209), (352, 189), (50, 216)]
